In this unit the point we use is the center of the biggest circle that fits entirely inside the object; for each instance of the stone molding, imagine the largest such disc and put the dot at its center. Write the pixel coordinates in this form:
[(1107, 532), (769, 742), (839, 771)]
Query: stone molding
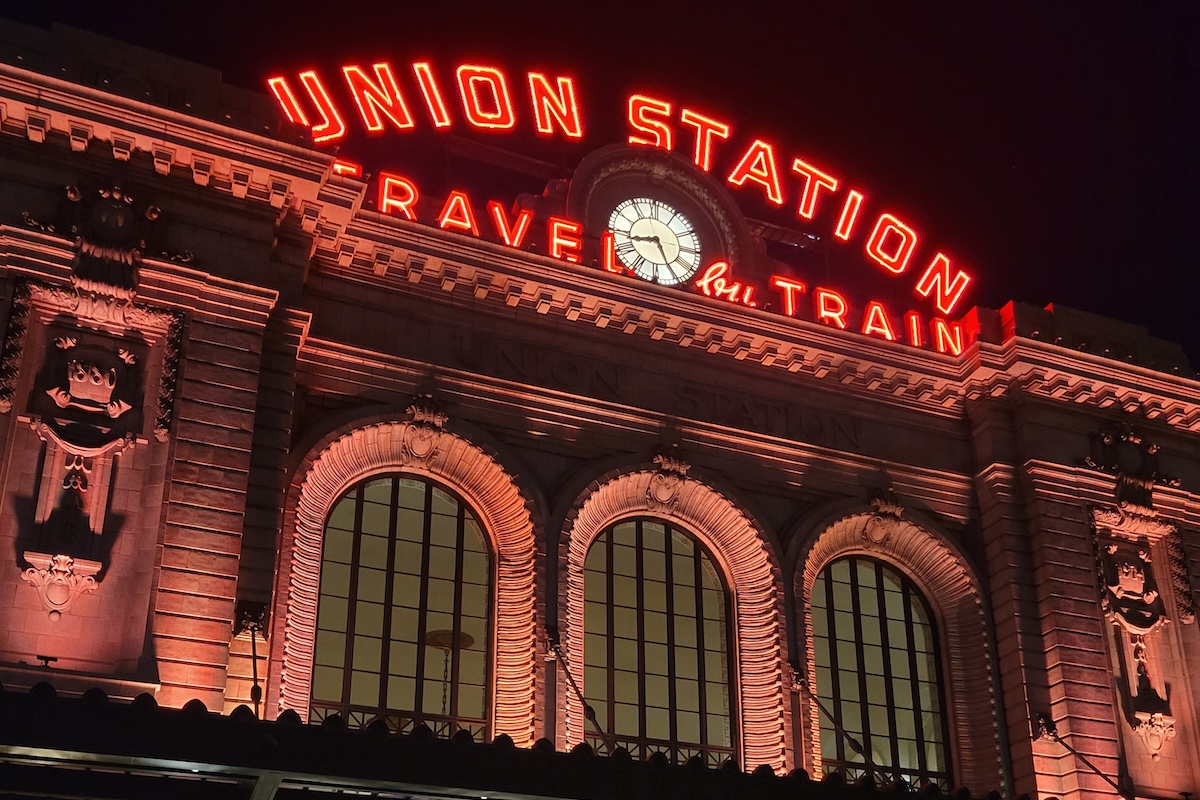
[(60, 580), (749, 570), (423, 449), (953, 593)]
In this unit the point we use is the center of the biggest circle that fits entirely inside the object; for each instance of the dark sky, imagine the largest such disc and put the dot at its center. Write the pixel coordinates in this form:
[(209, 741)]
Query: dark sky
[(1053, 147)]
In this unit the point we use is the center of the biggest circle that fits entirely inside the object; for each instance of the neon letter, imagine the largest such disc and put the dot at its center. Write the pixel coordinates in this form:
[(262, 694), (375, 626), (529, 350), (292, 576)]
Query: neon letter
[(457, 215), (814, 179), (283, 93), (499, 114), (561, 105), (947, 337), (648, 116), (343, 167), (433, 96), (903, 241), (830, 306), (875, 321), (845, 225), (758, 165), (714, 284), (937, 279), (790, 289), (706, 129), (331, 126), (566, 239), (374, 98), (912, 321), (513, 235), (608, 253), (396, 192)]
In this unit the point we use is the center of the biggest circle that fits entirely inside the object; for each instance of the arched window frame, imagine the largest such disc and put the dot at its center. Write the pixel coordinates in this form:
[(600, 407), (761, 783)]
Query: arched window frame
[(859, 691), (945, 577), (447, 722), (716, 753), (421, 447), (750, 571)]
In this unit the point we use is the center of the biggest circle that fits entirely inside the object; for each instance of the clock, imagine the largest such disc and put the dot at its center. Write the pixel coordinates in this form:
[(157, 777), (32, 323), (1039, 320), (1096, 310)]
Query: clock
[(655, 240), (669, 221)]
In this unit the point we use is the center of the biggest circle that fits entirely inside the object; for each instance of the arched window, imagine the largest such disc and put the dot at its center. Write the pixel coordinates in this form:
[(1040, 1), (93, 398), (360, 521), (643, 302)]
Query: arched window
[(878, 675), (656, 644), (402, 617)]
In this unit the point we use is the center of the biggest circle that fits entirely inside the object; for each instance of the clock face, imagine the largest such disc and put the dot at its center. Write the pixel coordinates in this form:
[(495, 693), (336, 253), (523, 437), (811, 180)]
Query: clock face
[(655, 240)]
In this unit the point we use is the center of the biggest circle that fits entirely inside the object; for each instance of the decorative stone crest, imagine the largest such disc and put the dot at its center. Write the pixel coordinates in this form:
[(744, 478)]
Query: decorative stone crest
[(1155, 731), (110, 228), (88, 397), (668, 478), (60, 580), (420, 436), (1122, 451), (1129, 594), (887, 517)]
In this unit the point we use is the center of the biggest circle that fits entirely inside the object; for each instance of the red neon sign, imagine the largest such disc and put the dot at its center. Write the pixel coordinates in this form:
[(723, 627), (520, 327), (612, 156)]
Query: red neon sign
[(386, 98)]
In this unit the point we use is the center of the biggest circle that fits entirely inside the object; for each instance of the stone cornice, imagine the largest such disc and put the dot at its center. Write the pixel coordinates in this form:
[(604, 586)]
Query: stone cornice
[(1029, 366), (246, 165), (162, 283)]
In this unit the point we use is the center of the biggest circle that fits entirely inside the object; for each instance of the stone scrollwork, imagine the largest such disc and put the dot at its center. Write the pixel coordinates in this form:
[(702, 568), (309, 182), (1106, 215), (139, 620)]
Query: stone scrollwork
[(1180, 581), (886, 520), (668, 478), (1155, 730), (14, 345), (168, 378), (423, 431), (60, 580)]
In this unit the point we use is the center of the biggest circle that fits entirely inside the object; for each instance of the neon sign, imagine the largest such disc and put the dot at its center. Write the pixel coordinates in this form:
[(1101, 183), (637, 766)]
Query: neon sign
[(482, 97)]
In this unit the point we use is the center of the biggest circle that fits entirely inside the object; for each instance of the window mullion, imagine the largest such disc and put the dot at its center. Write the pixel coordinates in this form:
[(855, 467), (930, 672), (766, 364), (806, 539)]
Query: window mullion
[(706, 736), (423, 604), (835, 678), (915, 681), (456, 647), (864, 705), (352, 599), (388, 599), (672, 664), (889, 689)]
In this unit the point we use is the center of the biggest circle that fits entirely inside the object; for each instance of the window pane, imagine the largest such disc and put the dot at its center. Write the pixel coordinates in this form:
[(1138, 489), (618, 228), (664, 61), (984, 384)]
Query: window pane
[(663, 680), (874, 648), (395, 549)]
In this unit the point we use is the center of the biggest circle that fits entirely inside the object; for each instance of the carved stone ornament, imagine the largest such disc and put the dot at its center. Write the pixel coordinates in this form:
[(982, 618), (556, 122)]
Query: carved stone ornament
[(117, 311), (1132, 521), (1124, 452), (88, 396), (1155, 731), (670, 475), (886, 519), (1129, 594), (60, 580), (425, 427), (1180, 580), (14, 345)]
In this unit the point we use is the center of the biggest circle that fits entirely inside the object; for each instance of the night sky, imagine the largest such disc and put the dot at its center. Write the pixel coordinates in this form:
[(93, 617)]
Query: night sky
[(1054, 149)]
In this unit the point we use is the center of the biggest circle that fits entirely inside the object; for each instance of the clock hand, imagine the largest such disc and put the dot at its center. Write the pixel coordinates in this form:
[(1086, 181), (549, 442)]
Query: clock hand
[(660, 249), (644, 239)]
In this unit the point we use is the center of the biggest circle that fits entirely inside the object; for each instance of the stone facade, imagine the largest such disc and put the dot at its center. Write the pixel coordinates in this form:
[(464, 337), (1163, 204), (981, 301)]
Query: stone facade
[(184, 398)]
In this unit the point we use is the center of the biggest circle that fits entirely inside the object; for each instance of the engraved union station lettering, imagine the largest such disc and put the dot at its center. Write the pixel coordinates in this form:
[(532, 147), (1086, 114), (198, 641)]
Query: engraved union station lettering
[(557, 370)]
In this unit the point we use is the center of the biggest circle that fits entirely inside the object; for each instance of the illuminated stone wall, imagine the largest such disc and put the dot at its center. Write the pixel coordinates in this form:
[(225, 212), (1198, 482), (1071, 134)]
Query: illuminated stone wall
[(283, 340)]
